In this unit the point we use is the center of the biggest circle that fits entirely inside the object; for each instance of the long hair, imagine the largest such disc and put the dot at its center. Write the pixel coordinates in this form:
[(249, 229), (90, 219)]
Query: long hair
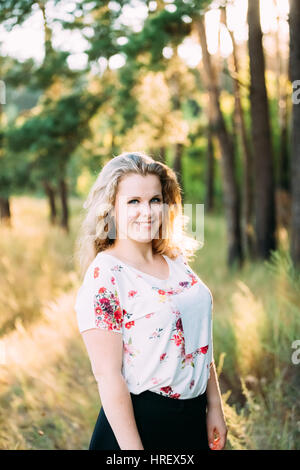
[(95, 233)]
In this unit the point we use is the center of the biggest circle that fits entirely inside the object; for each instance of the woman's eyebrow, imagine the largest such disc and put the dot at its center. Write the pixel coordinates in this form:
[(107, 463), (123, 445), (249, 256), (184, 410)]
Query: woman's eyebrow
[(139, 197)]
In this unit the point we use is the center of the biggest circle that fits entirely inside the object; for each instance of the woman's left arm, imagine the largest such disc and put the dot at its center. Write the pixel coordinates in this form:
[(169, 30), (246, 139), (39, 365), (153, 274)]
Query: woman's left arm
[(215, 419)]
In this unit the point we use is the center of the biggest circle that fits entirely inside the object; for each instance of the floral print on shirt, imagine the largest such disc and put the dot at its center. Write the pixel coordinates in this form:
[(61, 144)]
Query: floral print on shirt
[(107, 309), (168, 392), (129, 350), (149, 341)]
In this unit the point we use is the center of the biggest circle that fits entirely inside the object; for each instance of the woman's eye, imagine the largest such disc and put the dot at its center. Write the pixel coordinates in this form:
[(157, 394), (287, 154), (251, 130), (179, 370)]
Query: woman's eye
[(157, 198), (132, 200)]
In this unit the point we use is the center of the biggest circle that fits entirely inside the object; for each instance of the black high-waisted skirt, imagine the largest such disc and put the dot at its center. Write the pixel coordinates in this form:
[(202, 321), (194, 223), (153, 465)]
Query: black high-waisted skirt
[(163, 423)]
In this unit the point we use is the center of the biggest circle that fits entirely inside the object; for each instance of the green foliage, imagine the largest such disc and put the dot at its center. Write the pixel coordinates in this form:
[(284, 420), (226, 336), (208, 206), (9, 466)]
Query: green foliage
[(125, 99), (106, 32), (55, 133), (15, 12)]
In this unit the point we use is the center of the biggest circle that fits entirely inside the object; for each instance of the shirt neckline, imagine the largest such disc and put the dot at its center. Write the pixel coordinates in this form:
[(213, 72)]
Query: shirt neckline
[(142, 272)]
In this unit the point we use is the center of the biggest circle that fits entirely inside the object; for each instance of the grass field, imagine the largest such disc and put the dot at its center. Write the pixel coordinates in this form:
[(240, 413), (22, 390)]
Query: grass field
[(48, 395)]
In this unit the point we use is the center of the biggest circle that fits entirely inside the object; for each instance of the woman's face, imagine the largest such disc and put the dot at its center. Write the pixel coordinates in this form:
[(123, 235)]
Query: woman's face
[(138, 207)]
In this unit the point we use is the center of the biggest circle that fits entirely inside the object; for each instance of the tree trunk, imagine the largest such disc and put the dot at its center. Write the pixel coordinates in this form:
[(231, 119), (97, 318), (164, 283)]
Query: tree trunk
[(247, 204), (210, 158), (295, 144), (177, 165), (230, 187), (5, 215), (64, 204), (282, 93), (51, 198), (264, 194), (283, 163), (47, 31), (210, 173), (174, 85)]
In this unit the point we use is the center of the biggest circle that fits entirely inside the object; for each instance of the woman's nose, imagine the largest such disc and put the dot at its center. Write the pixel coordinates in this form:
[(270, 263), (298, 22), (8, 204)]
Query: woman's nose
[(145, 208)]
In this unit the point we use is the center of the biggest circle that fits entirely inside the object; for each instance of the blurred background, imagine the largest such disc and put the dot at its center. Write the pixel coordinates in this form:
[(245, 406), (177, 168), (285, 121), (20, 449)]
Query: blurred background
[(204, 86)]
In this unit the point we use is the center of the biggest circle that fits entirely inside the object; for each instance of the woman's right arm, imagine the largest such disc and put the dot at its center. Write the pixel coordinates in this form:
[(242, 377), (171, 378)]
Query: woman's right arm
[(105, 350)]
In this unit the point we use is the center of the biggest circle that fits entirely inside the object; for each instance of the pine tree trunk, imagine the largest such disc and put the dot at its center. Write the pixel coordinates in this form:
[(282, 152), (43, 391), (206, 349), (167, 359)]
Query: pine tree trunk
[(177, 165), (230, 186), (5, 214), (47, 30), (64, 204), (283, 163), (247, 197), (174, 85), (51, 199), (210, 173), (295, 144), (264, 191), (282, 94)]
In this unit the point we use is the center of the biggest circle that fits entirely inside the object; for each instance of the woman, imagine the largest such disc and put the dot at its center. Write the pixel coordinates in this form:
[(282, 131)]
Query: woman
[(145, 316)]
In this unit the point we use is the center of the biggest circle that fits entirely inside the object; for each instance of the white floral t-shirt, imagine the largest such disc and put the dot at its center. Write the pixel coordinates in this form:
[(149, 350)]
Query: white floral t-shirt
[(166, 325)]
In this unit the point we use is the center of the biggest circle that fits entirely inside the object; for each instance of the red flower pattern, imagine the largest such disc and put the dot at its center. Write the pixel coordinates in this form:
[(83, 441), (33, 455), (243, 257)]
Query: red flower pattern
[(111, 316), (168, 391), (132, 293), (107, 310), (204, 349), (177, 339)]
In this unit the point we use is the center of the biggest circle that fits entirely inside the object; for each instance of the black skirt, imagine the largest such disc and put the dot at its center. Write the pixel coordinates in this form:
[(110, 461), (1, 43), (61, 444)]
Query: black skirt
[(163, 423)]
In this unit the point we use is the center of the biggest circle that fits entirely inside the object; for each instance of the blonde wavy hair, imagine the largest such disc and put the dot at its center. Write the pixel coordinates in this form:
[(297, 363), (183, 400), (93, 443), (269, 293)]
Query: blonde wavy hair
[(94, 233)]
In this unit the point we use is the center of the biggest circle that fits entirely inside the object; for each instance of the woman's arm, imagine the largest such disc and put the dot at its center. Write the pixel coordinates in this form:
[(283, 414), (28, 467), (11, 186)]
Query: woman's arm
[(215, 420), (117, 404), (105, 352)]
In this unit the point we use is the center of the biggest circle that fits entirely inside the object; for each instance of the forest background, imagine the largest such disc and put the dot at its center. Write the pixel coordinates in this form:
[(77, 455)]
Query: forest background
[(211, 89)]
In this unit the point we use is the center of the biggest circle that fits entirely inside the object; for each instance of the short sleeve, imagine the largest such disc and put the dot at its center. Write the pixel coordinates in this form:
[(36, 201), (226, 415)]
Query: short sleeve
[(97, 302)]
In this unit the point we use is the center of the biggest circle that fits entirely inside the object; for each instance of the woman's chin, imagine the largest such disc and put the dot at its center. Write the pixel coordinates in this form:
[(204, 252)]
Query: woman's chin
[(145, 235)]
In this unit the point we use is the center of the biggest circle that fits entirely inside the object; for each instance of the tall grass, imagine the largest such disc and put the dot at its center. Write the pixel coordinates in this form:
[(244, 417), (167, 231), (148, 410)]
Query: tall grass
[(36, 263), (48, 396), (256, 320)]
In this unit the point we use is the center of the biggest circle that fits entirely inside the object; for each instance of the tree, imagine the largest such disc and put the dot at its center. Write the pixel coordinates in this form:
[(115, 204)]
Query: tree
[(264, 191), (295, 144), (239, 123), (45, 77), (230, 185), (14, 168), (164, 29), (52, 136), (283, 109)]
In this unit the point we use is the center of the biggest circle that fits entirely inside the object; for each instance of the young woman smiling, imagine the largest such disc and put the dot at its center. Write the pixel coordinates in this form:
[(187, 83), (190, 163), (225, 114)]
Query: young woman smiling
[(145, 316)]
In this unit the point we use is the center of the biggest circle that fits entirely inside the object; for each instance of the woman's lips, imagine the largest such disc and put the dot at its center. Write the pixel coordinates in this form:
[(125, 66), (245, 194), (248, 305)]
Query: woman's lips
[(144, 224)]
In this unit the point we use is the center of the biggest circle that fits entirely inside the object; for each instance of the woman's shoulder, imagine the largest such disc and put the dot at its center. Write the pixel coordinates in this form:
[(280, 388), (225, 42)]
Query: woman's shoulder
[(179, 257), (100, 265)]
